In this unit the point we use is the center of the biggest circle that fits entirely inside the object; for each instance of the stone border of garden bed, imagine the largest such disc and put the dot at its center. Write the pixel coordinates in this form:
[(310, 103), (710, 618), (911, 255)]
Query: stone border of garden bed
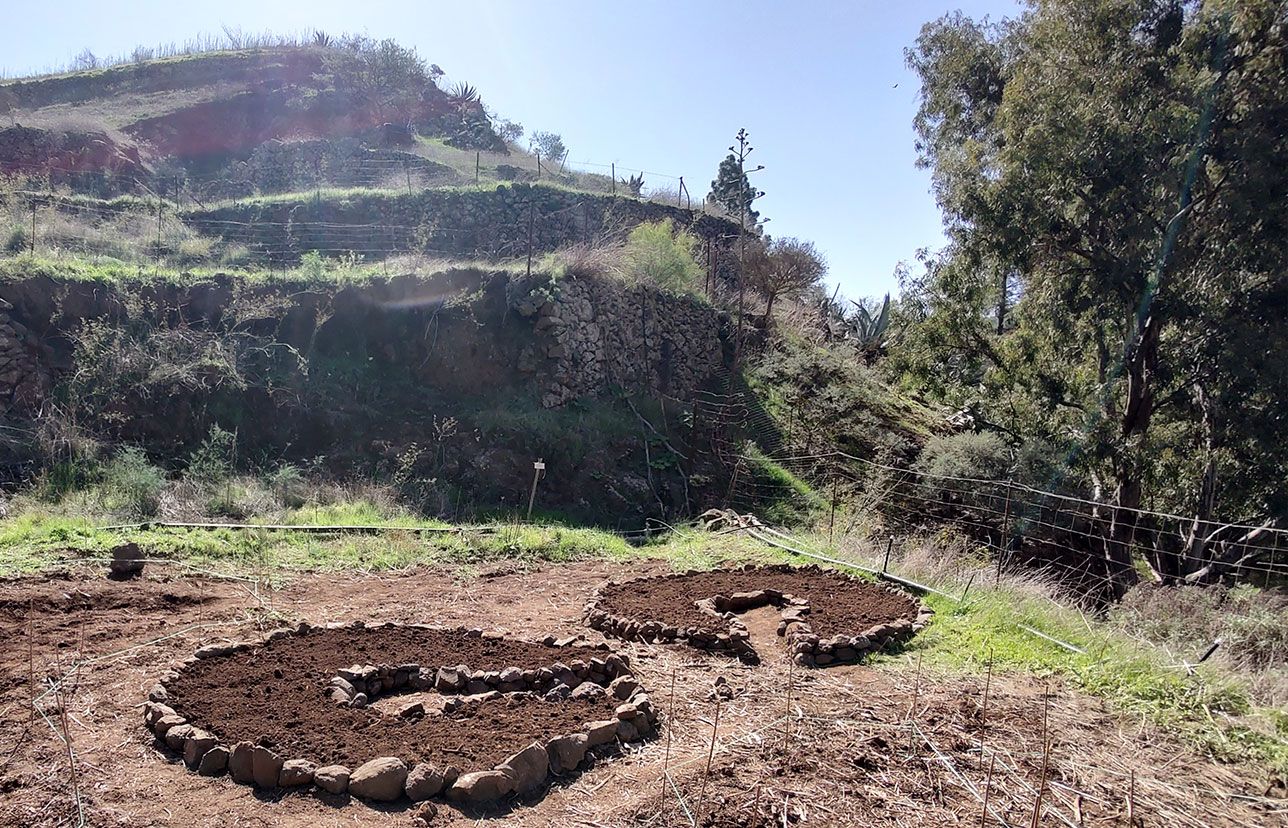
[(807, 648), (386, 779)]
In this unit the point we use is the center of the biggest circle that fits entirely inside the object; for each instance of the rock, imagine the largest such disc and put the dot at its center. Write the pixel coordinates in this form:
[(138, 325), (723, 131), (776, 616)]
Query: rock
[(627, 712), (381, 780), (213, 651), (196, 745), (127, 562), (266, 767), (622, 688), (240, 763), (177, 735), (627, 731), (601, 733), (527, 768), (480, 786), (412, 710), (566, 752), (296, 772), (587, 691), (214, 762), (333, 779), (162, 725), (511, 675), (424, 815), (358, 701), (424, 781), (449, 680)]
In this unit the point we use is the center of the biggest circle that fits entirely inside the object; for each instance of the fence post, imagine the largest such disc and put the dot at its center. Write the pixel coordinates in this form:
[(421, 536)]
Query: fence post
[(831, 517), (160, 206), (33, 228), (532, 207), (407, 170), (538, 166), (679, 194), (885, 563), (476, 166), (613, 176), (1006, 536)]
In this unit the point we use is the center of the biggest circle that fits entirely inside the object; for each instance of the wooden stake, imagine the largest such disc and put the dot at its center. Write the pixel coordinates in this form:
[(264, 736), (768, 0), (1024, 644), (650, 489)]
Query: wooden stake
[(711, 752), (670, 725), (988, 788), (988, 681), (31, 655), (912, 711), (1131, 802), (787, 717), (885, 563), (1046, 758)]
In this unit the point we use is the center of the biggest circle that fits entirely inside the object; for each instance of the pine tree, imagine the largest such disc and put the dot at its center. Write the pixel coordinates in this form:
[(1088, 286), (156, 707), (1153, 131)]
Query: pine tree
[(732, 190)]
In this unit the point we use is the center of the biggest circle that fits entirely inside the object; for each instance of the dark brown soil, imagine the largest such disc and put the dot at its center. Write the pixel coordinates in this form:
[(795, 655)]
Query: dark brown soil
[(276, 695), (838, 604), (60, 593)]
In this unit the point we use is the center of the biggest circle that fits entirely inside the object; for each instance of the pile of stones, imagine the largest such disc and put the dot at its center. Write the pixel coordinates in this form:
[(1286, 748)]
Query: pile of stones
[(389, 778)]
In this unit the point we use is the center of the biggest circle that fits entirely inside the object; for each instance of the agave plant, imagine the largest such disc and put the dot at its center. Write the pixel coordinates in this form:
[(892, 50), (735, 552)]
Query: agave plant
[(869, 331), (634, 185), (463, 93), (321, 38)]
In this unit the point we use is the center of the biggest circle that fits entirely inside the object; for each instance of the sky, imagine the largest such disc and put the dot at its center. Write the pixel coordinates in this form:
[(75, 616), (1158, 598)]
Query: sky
[(656, 85)]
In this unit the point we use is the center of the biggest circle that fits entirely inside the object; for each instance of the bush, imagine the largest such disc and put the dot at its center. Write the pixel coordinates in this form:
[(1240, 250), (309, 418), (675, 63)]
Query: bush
[(213, 460), (659, 253), (131, 485)]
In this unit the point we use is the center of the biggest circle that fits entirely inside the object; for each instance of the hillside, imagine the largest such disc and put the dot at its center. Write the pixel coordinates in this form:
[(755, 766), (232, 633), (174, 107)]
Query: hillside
[(318, 250)]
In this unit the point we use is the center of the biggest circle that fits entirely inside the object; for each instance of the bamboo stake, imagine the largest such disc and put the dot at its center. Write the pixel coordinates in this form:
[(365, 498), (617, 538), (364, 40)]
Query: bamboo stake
[(31, 656)]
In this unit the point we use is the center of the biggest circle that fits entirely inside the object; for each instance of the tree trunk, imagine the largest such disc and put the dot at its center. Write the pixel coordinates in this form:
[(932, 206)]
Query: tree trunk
[(1193, 555), (1141, 362), (769, 309)]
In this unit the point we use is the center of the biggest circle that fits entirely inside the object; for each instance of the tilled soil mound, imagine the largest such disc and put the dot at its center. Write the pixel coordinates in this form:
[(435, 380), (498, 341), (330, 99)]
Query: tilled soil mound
[(276, 695), (827, 616)]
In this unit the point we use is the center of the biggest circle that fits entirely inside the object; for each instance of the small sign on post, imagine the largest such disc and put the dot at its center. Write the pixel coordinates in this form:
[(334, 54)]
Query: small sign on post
[(538, 471)]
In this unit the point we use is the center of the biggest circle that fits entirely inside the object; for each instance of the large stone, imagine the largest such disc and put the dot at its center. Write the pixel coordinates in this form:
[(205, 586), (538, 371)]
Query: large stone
[(588, 691), (623, 688), (214, 762), (566, 752), (296, 772), (423, 782), (332, 778), (168, 720), (177, 735), (380, 780), (601, 733), (527, 768), (480, 786), (266, 767), (241, 763), (196, 745), (127, 562)]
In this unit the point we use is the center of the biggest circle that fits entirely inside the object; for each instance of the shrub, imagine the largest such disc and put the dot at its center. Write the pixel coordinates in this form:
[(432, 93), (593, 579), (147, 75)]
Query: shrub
[(17, 239), (287, 483), (131, 485), (657, 252), (213, 461)]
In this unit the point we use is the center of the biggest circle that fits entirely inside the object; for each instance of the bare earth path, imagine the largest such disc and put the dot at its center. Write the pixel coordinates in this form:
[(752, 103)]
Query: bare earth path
[(846, 748)]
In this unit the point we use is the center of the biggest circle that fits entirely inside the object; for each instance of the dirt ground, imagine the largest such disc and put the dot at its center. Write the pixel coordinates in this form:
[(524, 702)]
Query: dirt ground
[(857, 745)]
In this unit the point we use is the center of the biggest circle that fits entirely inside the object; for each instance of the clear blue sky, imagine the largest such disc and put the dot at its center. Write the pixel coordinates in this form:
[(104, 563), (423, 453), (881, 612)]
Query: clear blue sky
[(660, 86)]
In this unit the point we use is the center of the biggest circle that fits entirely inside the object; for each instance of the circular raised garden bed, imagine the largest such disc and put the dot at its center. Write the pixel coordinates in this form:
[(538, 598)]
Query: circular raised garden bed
[(318, 706), (827, 617)]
